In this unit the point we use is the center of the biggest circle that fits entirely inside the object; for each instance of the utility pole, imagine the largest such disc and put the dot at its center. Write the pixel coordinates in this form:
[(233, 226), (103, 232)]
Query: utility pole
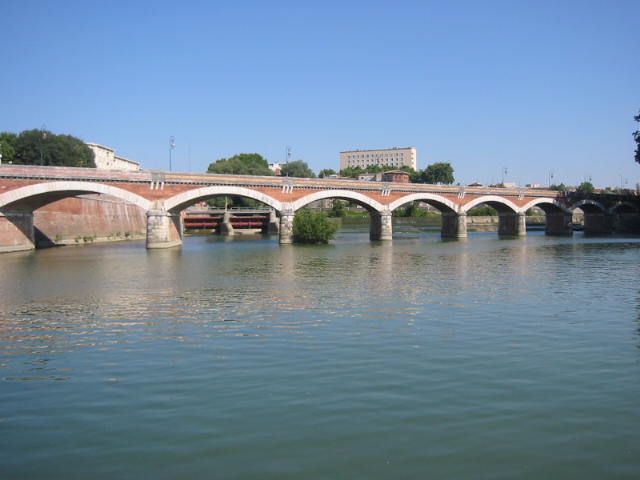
[(287, 156), (172, 144)]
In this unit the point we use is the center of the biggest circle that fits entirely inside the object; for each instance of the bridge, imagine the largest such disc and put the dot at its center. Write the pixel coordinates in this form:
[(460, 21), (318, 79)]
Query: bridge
[(164, 195)]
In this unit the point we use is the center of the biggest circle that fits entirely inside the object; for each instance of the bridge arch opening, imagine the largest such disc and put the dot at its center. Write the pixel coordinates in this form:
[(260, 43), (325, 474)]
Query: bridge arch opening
[(379, 216), (226, 210), (558, 220), (60, 212), (624, 218)]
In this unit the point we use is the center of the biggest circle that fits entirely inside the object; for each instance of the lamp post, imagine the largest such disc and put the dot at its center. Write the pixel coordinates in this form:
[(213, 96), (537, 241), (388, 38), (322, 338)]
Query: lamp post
[(287, 156), (43, 136), (172, 144)]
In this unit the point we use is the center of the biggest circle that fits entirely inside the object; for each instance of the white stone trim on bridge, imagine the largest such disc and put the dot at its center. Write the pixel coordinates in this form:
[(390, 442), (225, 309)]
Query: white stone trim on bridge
[(186, 199), (343, 194), (546, 201), (41, 189), (617, 205), (426, 197), (490, 198), (588, 201)]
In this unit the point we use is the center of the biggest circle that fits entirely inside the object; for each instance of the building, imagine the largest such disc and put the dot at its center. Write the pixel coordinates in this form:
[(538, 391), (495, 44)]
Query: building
[(276, 167), (106, 159), (398, 176), (391, 157)]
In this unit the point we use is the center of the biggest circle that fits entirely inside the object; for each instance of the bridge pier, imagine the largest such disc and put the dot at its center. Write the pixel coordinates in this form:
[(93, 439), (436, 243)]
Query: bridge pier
[(512, 224), (286, 226), (273, 226), (597, 223), (164, 230), (380, 226), (16, 231), (226, 227), (558, 223), (454, 225)]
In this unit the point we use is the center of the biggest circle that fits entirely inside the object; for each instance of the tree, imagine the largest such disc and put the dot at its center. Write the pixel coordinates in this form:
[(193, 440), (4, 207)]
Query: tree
[(241, 164), (41, 147), (8, 143), (337, 210), (312, 227), (585, 188), (636, 137), (559, 188), (440, 172), (297, 168), (326, 172)]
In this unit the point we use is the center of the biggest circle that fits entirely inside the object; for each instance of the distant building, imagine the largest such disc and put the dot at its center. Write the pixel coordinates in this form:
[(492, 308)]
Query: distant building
[(392, 157), (475, 184), (398, 176), (532, 185), (106, 159), (276, 167), (367, 177)]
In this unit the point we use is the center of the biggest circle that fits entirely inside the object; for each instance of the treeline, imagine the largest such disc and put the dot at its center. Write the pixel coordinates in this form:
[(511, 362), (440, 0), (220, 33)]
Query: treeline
[(256, 164), (440, 172), (41, 147)]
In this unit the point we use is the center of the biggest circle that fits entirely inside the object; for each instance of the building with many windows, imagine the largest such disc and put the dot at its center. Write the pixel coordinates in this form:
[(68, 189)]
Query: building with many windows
[(106, 159), (392, 157)]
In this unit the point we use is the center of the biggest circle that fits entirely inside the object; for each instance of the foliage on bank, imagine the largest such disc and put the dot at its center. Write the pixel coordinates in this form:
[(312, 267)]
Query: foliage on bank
[(313, 226), (241, 164), (436, 173), (41, 147), (297, 168)]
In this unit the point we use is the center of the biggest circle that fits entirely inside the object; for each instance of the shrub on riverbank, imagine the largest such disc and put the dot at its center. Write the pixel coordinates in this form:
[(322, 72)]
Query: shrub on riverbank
[(313, 227)]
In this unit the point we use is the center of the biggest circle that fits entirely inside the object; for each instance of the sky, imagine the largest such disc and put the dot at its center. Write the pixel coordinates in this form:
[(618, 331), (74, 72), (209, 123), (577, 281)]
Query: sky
[(541, 90)]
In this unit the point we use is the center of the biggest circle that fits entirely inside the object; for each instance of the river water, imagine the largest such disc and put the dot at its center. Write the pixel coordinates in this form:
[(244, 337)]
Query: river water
[(243, 359)]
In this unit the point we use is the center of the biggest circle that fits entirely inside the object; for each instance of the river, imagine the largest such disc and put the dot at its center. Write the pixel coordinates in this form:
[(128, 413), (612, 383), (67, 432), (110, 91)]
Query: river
[(240, 358)]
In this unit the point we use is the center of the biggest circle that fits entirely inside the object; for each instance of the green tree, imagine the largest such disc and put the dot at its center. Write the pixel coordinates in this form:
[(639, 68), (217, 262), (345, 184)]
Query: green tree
[(313, 227), (338, 211), (441, 172), (636, 137), (241, 164), (585, 188), (8, 142), (297, 168), (326, 172), (41, 147), (559, 188)]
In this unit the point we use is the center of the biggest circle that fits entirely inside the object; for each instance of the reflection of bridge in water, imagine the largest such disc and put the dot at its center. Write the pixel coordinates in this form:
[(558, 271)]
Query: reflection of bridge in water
[(164, 195)]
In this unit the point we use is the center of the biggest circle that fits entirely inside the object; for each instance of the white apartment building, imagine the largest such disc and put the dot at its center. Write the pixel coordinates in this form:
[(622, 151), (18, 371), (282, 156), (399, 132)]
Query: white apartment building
[(393, 157), (106, 159)]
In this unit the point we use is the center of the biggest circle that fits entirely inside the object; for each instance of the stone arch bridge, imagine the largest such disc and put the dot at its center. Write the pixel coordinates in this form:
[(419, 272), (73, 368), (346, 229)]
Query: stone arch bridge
[(163, 195)]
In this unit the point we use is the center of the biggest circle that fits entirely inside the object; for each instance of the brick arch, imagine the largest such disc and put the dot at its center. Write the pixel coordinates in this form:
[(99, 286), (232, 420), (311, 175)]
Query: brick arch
[(442, 203), (618, 205), (183, 200), (490, 199), (555, 205), (41, 194), (369, 203), (588, 203)]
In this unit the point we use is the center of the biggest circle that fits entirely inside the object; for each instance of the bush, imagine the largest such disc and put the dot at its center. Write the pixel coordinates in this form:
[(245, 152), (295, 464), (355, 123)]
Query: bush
[(312, 227), (483, 211)]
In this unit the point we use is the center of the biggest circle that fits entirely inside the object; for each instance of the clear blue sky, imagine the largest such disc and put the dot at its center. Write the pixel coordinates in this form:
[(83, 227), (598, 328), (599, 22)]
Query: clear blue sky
[(532, 86)]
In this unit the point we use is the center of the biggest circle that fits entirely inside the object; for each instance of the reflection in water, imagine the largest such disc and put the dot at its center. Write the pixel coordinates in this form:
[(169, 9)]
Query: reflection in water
[(251, 357)]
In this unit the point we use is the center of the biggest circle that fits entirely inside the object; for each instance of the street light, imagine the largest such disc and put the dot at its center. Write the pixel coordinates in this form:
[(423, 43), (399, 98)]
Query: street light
[(43, 134), (287, 156), (172, 144)]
